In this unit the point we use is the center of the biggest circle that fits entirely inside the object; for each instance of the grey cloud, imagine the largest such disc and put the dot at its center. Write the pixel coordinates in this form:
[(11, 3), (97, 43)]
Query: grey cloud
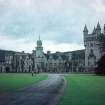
[(56, 20)]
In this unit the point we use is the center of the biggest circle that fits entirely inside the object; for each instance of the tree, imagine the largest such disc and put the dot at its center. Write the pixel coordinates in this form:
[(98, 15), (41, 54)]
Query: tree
[(101, 40), (100, 69)]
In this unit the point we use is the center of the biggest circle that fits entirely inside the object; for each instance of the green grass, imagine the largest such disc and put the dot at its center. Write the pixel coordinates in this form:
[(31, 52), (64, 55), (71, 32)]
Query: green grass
[(84, 90), (13, 81)]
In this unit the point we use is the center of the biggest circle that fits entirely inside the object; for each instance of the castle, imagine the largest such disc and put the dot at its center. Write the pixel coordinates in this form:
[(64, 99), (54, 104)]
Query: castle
[(93, 52), (38, 61)]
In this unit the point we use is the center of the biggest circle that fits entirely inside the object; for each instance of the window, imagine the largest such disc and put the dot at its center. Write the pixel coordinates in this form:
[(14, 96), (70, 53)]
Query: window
[(91, 44), (91, 51)]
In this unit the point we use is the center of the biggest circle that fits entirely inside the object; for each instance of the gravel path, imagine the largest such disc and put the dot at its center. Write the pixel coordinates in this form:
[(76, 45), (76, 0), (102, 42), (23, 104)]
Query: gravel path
[(43, 93)]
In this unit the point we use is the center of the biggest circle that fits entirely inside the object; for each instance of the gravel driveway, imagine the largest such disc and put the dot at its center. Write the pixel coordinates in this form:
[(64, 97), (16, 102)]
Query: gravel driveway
[(46, 92)]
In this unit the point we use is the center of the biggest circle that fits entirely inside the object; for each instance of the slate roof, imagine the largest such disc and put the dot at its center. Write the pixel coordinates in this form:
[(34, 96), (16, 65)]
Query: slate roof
[(78, 54), (56, 56), (4, 53)]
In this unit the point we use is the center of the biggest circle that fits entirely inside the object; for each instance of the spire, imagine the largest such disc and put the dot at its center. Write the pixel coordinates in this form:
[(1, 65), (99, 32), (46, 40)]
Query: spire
[(98, 26), (94, 30), (85, 29), (39, 42), (98, 29), (39, 36)]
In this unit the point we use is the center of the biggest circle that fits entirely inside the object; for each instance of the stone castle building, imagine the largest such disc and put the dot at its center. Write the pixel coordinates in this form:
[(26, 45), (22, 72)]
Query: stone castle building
[(93, 52), (38, 61)]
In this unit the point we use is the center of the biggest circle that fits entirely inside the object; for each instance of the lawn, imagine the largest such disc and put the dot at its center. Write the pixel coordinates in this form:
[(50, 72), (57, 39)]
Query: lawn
[(13, 81), (84, 90)]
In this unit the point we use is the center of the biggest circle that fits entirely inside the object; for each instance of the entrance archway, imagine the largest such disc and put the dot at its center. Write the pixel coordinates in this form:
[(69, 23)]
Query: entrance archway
[(7, 69)]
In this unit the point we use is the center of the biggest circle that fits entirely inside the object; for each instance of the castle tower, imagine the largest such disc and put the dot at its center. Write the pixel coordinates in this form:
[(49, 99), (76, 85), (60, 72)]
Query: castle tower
[(85, 33), (39, 56), (39, 48), (92, 51)]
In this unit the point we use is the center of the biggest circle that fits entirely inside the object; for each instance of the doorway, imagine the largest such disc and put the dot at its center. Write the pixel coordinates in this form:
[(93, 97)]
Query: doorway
[(7, 69)]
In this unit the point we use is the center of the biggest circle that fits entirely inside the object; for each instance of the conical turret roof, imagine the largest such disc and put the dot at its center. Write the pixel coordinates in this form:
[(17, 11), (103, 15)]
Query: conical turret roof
[(85, 29), (98, 26), (94, 30)]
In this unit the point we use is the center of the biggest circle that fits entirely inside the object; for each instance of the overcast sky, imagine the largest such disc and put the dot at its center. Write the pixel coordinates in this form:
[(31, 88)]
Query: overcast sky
[(60, 23)]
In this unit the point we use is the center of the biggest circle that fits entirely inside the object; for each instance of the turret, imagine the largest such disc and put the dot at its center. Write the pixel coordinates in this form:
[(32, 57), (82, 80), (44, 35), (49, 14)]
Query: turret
[(85, 31), (98, 29), (94, 30), (39, 48), (39, 42)]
